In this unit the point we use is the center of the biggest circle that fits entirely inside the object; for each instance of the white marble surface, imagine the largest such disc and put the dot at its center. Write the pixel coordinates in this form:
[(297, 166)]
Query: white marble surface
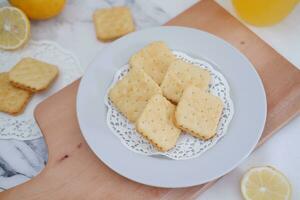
[(73, 29)]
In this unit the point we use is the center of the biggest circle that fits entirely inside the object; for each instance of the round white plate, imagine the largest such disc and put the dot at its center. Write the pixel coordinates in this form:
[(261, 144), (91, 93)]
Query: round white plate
[(244, 131)]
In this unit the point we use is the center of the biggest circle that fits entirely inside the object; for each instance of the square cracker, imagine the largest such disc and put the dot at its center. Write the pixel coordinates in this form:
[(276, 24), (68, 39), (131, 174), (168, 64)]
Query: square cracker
[(156, 123), (198, 112), (12, 100), (111, 23), (154, 59), (32, 75), (181, 74), (131, 94)]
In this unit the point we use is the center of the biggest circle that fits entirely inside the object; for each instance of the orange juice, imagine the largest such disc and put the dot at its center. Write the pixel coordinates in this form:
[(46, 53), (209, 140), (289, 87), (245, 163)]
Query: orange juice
[(263, 12)]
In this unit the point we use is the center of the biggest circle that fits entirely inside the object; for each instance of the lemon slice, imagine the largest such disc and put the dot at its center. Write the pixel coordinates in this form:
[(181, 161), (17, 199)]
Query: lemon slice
[(14, 28), (264, 183)]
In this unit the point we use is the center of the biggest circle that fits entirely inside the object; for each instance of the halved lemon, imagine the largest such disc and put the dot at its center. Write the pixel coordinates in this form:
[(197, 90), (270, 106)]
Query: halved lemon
[(14, 28), (265, 183)]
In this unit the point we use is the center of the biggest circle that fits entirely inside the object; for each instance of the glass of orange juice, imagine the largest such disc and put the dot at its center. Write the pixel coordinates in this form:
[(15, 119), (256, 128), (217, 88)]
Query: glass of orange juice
[(264, 12)]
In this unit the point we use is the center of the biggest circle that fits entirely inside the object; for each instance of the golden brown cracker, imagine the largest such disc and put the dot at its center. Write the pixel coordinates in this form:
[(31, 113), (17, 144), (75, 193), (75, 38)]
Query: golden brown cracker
[(198, 112), (12, 100), (156, 123), (111, 23), (154, 59), (181, 74), (33, 75), (131, 94)]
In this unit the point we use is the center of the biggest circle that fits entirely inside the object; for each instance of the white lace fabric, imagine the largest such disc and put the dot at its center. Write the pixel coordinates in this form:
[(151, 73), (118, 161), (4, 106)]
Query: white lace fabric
[(23, 126), (187, 146)]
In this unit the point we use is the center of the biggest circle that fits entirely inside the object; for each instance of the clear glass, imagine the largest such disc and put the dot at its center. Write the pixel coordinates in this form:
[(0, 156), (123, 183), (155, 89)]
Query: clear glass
[(264, 12)]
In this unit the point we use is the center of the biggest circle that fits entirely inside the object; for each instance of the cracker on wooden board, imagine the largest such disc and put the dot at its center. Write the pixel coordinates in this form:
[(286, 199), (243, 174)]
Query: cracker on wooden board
[(12, 100), (156, 123), (154, 59), (32, 75), (181, 74), (111, 23), (132, 93), (198, 112)]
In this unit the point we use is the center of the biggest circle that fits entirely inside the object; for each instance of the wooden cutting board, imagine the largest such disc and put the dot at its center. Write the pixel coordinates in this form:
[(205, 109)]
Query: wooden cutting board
[(74, 172)]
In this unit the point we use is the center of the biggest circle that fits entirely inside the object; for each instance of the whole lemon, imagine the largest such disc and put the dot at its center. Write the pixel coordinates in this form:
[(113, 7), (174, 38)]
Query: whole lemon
[(39, 9)]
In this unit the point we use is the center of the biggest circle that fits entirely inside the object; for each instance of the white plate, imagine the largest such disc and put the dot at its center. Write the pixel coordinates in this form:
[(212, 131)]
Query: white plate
[(245, 129)]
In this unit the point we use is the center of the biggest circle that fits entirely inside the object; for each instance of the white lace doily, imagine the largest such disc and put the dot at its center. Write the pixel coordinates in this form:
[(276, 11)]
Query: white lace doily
[(23, 126), (187, 146)]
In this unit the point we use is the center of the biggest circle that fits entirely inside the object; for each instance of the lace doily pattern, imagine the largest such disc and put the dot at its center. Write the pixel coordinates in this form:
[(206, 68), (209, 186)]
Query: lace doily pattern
[(187, 146), (23, 126)]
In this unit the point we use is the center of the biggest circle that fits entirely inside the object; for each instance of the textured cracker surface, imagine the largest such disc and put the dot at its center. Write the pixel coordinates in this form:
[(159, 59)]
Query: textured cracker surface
[(132, 93), (180, 75), (156, 123), (155, 59), (12, 100), (33, 75), (111, 23), (198, 112)]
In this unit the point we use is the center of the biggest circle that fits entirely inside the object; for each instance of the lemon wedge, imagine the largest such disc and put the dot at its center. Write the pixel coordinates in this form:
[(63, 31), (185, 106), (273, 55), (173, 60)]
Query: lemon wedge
[(265, 183), (14, 28)]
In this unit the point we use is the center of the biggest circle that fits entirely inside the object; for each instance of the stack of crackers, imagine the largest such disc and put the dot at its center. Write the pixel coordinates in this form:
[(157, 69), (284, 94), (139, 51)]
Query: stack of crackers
[(164, 96), (28, 76)]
